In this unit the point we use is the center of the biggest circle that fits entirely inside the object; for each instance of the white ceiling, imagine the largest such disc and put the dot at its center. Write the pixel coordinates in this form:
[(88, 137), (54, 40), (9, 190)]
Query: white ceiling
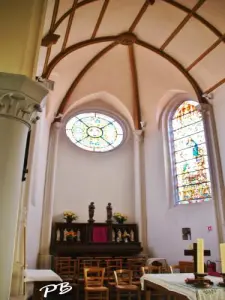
[(157, 23)]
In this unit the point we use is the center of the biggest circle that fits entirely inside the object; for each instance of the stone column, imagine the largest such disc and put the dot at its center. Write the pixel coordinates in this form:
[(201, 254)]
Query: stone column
[(139, 186), (44, 255), (20, 100)]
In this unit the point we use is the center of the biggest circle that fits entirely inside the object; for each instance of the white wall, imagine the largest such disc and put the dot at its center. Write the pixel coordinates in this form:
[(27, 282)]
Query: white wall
[(36, 191), (83, 177)]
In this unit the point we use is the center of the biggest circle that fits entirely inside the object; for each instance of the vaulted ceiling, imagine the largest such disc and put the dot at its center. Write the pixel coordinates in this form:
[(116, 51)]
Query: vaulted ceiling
[(155, 40)]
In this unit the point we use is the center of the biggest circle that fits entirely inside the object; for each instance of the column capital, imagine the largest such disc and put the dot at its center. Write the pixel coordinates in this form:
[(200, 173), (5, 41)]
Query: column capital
[(138, 135), (57, 125), (204, 108), (21, 98)]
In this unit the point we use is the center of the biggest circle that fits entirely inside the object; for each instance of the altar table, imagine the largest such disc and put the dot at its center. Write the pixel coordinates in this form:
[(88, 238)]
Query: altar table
[(174, 285), (40, 278)]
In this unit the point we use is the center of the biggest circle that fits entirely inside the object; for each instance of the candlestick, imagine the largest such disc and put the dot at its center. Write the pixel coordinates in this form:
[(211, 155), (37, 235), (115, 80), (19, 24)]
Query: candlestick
[(200, 256), (222, 255)]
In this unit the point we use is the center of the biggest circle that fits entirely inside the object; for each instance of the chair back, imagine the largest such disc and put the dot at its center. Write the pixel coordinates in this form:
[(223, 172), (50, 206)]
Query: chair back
[(175, 269), (151, 270), (123, 277), (111, 266), (67, 269), (135, 265), (186, 266), (94, 277)]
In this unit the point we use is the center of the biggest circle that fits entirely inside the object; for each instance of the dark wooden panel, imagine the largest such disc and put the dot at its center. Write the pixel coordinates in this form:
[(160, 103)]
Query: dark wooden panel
[(86, 247)]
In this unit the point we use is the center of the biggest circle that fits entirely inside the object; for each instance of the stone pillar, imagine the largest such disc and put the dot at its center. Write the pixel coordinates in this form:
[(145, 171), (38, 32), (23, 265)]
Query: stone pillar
[(20, 100), (44, 255), (139, 185)]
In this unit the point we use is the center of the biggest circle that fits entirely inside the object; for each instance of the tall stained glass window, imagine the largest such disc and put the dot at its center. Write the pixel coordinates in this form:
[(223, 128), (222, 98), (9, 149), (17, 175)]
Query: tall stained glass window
[(94, 132), (190, 157)]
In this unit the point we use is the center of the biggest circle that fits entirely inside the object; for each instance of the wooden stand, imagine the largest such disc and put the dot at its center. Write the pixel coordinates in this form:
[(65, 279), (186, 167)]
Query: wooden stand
[(222, 284)]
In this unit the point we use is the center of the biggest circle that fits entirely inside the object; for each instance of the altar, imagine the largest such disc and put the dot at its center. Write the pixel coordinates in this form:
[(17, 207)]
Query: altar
[(40, 278), (174, 285)]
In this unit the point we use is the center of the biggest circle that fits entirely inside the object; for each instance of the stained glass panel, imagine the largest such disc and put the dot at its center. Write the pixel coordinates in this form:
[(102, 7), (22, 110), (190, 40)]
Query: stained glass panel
[(190, 155), (94, 132)]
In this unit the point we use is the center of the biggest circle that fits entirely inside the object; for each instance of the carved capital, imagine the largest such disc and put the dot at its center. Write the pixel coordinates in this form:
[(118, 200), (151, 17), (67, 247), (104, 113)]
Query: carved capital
[(21, 98), (138, 135), (57, 125), (204, 108), (19, 106)]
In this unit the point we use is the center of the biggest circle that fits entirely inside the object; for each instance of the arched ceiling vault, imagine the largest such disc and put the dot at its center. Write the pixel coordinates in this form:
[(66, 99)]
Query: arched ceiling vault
[(165, 27)]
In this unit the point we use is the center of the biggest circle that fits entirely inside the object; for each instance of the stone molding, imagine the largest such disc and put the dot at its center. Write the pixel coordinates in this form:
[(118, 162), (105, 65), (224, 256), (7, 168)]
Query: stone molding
[(21, 98)]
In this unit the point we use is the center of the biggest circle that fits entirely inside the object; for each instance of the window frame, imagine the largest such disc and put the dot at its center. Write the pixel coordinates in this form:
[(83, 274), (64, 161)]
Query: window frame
[(119, 119), (172, 156), (215, 167)]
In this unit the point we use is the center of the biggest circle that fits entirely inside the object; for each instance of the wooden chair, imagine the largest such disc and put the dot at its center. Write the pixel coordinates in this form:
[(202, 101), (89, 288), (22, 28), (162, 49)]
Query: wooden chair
[(82, 263), (135, 265), (174, 269), (58, 260), (67, 270), (186, 266), (151, 270), (111, 266), (94, 284), (124, 284)]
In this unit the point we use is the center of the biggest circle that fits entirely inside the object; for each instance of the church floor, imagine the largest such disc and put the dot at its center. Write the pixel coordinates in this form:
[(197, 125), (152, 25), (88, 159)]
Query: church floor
[(112, 297)]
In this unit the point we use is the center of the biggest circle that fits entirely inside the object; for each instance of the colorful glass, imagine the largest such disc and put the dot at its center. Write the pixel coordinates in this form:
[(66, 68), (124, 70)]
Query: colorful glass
[(94, 132), (192, 176)]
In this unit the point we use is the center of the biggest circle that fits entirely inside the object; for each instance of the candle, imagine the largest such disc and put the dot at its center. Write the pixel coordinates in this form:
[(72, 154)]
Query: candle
[(200, 256), (222, 255)]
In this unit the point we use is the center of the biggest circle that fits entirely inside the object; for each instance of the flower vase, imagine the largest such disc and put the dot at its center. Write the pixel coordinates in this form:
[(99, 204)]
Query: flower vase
[(69, 220), (120, 221)]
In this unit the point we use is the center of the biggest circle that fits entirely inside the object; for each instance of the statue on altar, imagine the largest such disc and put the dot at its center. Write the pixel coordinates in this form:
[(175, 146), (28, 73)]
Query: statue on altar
[(64, 235), (91, 209), (132, 236), (113, 235), (58, 235), (109, 213), (78, 235), (119, 236)]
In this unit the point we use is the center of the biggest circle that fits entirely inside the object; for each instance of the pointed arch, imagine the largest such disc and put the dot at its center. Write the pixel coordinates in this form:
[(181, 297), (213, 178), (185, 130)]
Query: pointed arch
[(106, 97)]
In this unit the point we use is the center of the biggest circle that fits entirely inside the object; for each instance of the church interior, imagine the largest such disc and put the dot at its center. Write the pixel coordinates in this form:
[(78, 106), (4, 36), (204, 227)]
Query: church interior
[(112, 157)]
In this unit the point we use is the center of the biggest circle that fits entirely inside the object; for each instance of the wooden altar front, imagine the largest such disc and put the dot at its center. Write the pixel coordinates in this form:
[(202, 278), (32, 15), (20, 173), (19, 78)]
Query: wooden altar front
[(94, 239)]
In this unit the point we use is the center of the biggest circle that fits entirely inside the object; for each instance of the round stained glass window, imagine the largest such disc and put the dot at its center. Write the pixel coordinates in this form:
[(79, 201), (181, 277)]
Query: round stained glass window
[(94, 132)]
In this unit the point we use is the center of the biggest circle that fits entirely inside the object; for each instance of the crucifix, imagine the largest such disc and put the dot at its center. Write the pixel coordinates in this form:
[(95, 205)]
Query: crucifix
[(193, 253)]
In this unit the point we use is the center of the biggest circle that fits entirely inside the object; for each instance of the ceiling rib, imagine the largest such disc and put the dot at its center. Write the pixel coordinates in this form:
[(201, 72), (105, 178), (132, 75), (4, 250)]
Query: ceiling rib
[(182, 24), (81, 74), (172, 60), (215, 86), (54, 16), (63, 17), (89, 42), (70, 22), (196, 16), (99, 21), (136, 96), (205, 53), (139, 16), (73, 48)]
